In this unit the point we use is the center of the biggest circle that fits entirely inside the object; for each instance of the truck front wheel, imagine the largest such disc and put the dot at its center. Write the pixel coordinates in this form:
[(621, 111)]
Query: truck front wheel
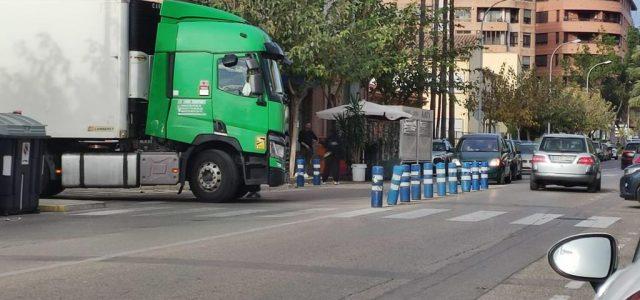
[(213, 177)]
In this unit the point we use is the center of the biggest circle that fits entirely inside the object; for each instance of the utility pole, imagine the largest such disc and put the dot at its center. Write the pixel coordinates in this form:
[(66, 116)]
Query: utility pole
[(452, 66), (434, 58), (444, 59), (421, 71)]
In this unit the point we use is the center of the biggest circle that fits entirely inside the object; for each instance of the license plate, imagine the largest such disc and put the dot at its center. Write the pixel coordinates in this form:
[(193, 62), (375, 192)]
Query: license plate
[(561, 158)]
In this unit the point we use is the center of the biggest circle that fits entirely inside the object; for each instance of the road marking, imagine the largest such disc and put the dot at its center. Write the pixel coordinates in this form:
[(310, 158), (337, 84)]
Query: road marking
[(179, 212), (232, 213), (537, 219), (574, 284), (478, 216), (151, 202), (360, 212), (300, 212), (560, 297), (417, 213), (598, 222), (118, 211)]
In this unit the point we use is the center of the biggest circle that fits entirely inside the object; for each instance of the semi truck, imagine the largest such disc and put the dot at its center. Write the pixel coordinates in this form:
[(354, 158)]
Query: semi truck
[(136, 93)]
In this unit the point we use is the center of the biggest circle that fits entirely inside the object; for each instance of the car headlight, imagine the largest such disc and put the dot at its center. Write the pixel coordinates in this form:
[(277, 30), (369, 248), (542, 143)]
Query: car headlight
[(631, 169), (457, 162), (494, 162)]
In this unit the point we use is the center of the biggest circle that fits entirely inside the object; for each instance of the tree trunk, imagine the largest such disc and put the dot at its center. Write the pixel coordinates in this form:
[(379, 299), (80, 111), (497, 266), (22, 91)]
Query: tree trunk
[(452, 66), (294, 115)]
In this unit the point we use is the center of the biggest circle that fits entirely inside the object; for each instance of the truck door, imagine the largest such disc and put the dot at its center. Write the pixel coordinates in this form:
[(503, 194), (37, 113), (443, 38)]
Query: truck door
[(245, 116)]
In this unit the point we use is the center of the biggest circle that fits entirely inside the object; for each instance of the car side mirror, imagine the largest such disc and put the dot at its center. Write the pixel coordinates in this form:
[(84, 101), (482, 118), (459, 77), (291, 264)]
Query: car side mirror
[(230, 60), (591, 257)]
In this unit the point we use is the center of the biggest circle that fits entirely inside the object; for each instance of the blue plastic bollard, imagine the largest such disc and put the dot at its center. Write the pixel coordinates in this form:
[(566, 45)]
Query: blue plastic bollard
[(300, 172), (453, 179), (377, 187), (394, 190), (416, 192), (465, 178), (405, 192), (427, 181), (316, 172), (441, 179), (484, 175), (475, 176)]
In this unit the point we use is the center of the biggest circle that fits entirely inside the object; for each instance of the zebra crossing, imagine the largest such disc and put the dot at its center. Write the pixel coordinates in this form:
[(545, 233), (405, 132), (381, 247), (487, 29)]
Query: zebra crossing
[(460, 215)]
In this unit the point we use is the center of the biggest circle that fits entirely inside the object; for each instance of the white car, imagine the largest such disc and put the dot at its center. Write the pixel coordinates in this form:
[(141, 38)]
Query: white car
[(593, 257)]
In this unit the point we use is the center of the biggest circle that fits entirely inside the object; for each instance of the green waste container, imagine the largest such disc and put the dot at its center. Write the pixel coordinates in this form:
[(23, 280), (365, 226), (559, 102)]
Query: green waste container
[(21, 159)]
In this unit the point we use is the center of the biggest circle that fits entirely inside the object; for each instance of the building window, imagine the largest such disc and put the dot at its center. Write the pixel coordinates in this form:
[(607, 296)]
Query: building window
[(526, 40), (557, 37), (495, 38), (514, 15), (542, 38), (494, 15), (557, 15), (526, 62), (513, 39), (463, 14), (542, 17), (527, 16), (541, 60)]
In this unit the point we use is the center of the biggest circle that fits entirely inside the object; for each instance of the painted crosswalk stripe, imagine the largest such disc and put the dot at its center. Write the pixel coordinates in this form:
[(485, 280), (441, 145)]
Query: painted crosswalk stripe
[(179, 212), (598, 222), (478, 216), (360, 212), (299, 212), (233, 213), (118, 211), (574, 284), (537, 219), (560, 297), (416, 213)]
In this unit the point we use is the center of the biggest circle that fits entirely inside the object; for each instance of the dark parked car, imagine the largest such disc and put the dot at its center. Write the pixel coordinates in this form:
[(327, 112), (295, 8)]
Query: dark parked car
[(630, 183), (626, 158), (487, 147), (442, 151), (516, 159)]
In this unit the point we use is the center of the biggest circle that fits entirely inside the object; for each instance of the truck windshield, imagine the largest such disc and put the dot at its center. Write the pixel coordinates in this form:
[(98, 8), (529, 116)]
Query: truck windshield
[(274, 80)]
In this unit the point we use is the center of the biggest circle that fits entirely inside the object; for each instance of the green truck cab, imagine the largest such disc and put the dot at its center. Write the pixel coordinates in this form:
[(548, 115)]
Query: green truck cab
[(216, 86), (140, 93)]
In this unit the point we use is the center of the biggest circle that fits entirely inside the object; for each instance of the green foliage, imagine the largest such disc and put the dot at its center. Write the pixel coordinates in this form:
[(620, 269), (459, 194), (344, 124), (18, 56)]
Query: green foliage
[(352, 129)]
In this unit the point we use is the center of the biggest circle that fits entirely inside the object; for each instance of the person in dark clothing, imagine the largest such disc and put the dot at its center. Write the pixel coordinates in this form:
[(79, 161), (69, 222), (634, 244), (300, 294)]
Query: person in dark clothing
[(307, 138), (335, 153)]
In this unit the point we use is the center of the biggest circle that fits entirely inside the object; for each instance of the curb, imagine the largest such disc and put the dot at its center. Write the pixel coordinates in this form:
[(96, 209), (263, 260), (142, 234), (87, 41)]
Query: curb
[(55, 205)]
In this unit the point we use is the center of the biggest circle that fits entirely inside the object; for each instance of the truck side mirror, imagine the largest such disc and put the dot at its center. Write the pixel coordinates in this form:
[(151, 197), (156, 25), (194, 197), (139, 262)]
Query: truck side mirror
[(256, 83), (230, 60)]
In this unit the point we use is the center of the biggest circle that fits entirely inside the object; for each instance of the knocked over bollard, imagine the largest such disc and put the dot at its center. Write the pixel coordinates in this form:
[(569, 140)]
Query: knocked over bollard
[(405, 193), (392, 198), (453, 179), (300, 172), (441, 179), (377, 187), (475, 176), (427, 171), (416, 193), (465, 177), (316, 172), (484, 175)]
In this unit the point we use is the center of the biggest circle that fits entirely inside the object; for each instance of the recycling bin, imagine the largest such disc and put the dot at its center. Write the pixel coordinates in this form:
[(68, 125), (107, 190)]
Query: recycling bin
[(21, 159)]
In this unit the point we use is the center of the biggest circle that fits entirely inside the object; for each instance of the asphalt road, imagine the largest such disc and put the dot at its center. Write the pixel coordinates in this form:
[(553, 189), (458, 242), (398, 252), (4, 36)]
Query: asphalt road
[(312, 243)]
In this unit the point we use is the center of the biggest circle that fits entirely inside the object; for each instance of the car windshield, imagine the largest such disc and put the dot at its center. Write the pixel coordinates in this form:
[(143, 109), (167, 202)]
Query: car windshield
[(556, 144), (527, 148), (274, 79), (631, 146), (479, 145), (439, 146)]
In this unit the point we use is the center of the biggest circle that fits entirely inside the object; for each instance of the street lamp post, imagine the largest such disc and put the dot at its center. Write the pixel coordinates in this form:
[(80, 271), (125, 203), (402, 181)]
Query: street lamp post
[(591, 69), (480, 113), (576, 41)]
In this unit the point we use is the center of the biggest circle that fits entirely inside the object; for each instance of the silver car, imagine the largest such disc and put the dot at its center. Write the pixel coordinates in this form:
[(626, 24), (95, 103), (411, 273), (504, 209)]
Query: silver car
[(567, 160), (526, 152)]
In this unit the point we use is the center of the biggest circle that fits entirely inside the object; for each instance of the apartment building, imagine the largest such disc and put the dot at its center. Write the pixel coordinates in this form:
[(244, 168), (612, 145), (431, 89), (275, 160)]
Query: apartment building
[(563, 21)]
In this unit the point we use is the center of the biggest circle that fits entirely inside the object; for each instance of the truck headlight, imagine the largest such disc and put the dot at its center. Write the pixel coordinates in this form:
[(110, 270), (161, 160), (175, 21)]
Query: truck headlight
[(276, 147), (496, 162)]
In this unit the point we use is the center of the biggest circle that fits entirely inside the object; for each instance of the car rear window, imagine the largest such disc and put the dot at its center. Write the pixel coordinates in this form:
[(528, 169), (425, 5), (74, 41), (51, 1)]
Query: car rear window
[(558, 144), (631, 146), (479, 145), (439, 146), (527, 148)]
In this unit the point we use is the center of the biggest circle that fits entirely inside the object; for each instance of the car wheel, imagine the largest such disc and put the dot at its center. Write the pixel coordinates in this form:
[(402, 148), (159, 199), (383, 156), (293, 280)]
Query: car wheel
[(500, 180), (533, 185), (509, 178), (599, 184), (593, 187), (213, 176)]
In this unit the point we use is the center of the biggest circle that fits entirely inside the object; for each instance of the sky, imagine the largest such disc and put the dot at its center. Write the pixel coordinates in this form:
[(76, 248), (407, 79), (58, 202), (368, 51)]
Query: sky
[(636, 15)]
